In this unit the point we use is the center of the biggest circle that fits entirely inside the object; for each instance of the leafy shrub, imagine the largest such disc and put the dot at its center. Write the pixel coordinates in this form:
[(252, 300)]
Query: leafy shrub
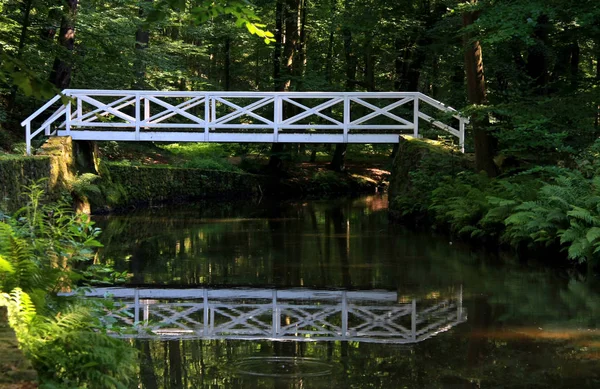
[(46, 249), (329, 181), (536, 208), (211, 164), (568, 210)]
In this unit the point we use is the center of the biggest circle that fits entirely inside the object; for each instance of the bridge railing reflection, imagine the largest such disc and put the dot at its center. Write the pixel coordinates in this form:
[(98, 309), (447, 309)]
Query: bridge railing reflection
[(281, 314)]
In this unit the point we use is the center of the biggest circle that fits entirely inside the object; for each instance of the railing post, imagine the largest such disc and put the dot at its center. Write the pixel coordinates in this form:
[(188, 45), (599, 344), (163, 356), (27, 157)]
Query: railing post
[(136, 306), (146, 112), (416, 117), (413, 320), (277, 116), (213, 110), (79, 113), (207, 98), (459, 305), (346, 117), (344, 313), (28, 138), (68, 117), (461, 138), (205, 313), (137, 116), (275, 326)]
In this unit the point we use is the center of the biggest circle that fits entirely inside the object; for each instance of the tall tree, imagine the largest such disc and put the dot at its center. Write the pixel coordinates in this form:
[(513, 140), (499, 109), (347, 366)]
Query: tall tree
[(62, 68), (338, 161), (485, 143)]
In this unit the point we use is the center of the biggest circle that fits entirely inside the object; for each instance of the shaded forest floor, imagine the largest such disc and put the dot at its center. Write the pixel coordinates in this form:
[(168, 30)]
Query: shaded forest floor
[(367, 166)]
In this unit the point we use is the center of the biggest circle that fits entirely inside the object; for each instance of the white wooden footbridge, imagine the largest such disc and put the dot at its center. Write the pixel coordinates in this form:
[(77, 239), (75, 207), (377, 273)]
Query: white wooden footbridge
[(264, 117), (281, 314)]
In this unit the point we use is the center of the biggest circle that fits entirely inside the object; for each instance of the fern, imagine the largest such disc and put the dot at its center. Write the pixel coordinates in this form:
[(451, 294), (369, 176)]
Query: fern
[(5, 266), (21, 312), (41, 251), (83, 185)]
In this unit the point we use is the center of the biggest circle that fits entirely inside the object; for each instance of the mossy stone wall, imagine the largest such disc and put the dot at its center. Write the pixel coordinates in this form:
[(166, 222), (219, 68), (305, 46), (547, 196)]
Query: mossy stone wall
[(418, 168), (15, 173), (124, 185), (54, 162)]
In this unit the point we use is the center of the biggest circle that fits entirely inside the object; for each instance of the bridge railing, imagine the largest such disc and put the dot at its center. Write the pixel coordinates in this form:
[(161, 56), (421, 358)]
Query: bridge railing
[(268, 117), (373, 316)]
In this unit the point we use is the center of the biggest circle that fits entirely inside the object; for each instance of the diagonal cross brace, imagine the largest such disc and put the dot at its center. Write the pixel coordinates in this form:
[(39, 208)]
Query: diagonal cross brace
[(107, 108), (164, 115), (381, 111), (313, 111), (173, 109), (246, 110)]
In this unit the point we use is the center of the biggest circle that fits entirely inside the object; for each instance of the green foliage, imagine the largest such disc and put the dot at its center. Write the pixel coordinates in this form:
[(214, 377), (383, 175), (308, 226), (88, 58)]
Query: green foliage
[(330, 182), (419, 169), (566, 210), (46, 249), (16, 172), (211, 164), (76, 352), (83, 185), (536, 208)]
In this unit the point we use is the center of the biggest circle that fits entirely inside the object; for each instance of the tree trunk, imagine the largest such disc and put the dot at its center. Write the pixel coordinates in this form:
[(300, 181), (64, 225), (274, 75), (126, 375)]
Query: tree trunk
[(289, 12), (485, 143), (597, 121), (537, 57), (369, 65), (338, 162), (142, 41), (574, 63), (227, 67), (278, 36), (62, 69), (13, 93), (275, 161)]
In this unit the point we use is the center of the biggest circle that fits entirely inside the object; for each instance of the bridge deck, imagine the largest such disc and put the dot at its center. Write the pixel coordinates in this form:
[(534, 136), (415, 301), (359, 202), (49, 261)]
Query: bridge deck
[(262, 117)]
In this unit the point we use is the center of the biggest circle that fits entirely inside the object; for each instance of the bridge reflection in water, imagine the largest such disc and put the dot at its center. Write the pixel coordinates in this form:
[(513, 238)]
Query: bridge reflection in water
[(373, 316)]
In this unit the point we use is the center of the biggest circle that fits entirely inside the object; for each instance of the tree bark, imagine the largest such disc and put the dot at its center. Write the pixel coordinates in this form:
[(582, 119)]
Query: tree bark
[(275, 161), (62, 69), (597, 121), (338, 162), (227, 67), (278, 36), (485, 143), (537, 57), (22, 40), (142, 41)]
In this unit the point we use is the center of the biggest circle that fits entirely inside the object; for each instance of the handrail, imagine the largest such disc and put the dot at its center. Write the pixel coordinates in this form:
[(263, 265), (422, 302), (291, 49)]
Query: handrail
[(372, 316), (130, 116), (39, 111)]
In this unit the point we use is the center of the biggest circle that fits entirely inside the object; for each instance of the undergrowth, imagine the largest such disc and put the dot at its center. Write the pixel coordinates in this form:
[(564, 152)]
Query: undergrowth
[(542, 207), (44, 250)]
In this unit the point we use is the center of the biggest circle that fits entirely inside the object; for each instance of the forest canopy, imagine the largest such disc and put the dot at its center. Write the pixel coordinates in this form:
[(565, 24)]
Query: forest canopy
[(527, 72)]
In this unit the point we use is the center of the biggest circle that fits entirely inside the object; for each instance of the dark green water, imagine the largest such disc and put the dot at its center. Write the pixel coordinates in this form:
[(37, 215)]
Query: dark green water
[(527, 326)]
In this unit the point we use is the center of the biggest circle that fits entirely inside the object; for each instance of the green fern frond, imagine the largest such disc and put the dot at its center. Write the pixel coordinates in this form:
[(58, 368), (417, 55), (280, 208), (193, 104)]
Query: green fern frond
[(5, 266), (584, 215), (593, 234), (84, 186)]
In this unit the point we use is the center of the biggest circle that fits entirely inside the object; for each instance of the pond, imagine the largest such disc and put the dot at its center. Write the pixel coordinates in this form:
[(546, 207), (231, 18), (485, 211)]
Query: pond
[(330, 294)]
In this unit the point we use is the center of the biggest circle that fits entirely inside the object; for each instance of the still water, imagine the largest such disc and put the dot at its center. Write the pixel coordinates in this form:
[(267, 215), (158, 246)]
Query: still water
[(330, 294)]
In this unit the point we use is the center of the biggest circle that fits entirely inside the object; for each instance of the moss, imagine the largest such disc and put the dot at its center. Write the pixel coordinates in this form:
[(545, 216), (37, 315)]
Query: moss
[(124, 185), (16, 172), (419, 166)]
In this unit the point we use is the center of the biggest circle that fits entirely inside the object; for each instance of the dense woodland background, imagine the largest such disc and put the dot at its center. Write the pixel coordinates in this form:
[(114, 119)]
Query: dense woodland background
[(526, 71)]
